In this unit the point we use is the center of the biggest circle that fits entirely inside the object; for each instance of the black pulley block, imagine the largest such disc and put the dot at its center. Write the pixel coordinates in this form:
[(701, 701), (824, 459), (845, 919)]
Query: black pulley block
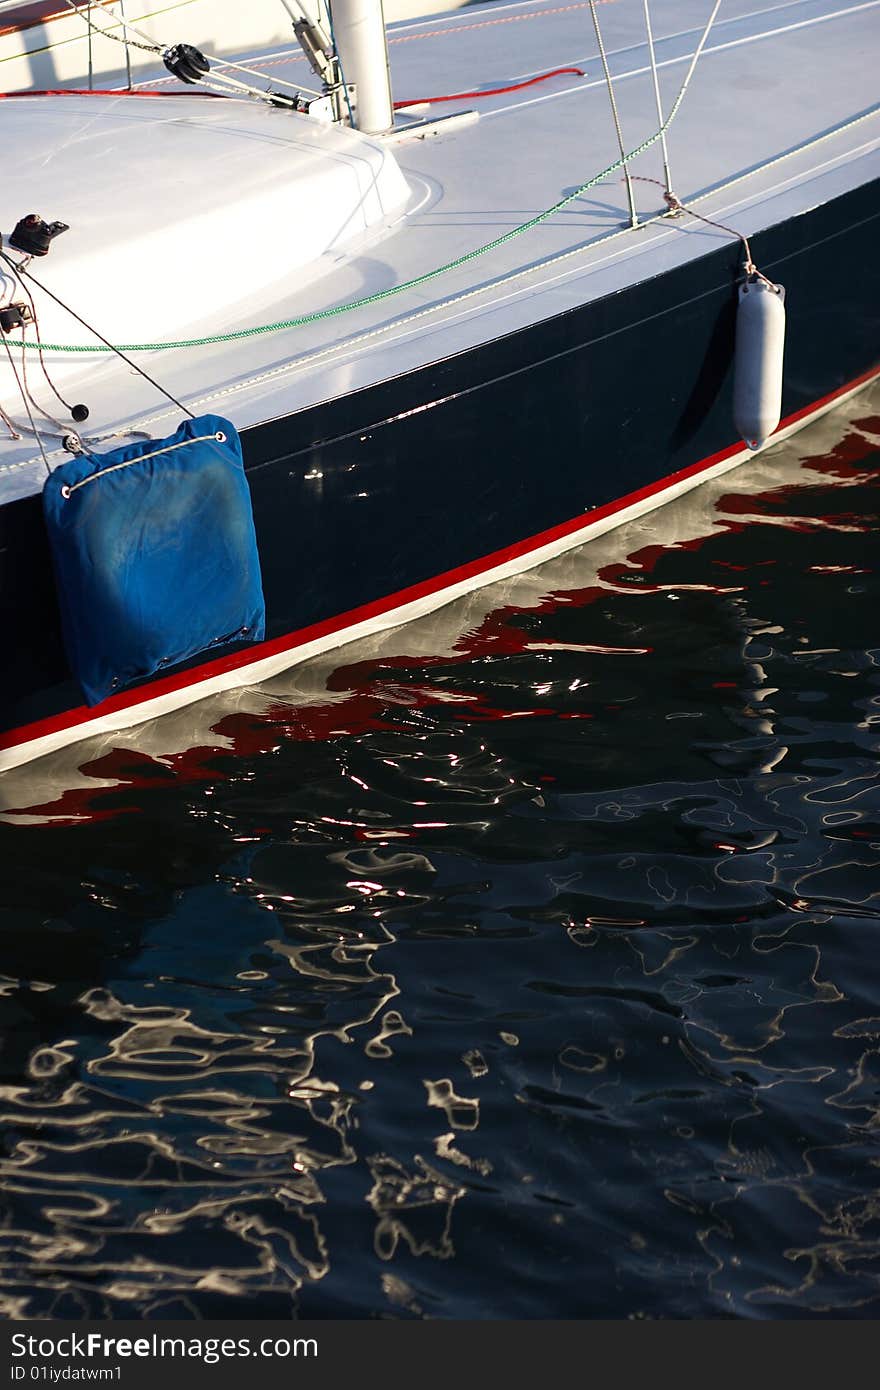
[(33, 236), (186, 62), (14, 316)]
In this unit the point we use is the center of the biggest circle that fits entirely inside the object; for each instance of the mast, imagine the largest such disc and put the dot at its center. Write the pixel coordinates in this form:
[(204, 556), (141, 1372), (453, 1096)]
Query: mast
[(359, 35)]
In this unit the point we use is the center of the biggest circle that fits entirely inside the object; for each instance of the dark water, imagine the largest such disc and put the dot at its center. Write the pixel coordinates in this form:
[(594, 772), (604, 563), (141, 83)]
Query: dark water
[(526, 968)]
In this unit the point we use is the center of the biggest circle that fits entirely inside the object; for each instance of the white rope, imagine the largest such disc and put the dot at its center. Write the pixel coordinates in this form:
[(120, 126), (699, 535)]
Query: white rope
[(67, 489), (149, 45), (148, 42), (230, 86), (700, 46), (252, 72)]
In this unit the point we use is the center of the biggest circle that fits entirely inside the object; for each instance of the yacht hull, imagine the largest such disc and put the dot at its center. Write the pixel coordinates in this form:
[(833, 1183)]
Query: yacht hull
[(379, 505)]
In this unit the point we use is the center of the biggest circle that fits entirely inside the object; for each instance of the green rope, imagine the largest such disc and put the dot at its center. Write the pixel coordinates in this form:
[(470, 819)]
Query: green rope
[(319, 314)]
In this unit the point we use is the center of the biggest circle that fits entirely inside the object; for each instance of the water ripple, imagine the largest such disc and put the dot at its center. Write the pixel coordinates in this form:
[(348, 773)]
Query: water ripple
[(514, 964)]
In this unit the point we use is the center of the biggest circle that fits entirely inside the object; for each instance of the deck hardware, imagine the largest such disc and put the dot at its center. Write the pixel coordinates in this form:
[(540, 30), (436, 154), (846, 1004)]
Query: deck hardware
[(33, 236), (186, 62), (14, 316)]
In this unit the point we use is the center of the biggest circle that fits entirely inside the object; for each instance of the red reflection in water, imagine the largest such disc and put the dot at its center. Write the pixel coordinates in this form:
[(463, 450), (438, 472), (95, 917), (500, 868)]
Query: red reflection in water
[(370, 694), (845, 460)]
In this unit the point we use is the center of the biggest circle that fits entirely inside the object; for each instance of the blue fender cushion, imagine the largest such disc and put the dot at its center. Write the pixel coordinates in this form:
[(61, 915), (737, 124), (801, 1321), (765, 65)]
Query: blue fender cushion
[(155, 554)]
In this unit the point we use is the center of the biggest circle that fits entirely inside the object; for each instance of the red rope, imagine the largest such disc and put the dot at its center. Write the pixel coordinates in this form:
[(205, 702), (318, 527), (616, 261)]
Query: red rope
[(490, 92), (398, 105)]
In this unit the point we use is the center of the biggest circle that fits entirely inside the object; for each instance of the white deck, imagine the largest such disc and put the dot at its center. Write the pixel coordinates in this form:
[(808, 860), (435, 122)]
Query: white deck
[(772, 82), (178, 214)]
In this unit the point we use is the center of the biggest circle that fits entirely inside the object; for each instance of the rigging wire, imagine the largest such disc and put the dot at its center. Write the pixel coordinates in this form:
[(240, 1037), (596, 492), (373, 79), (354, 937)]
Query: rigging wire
[(127, 49), (119, 351), (633, 215), (659, 108), (91, 56), (674, 207)]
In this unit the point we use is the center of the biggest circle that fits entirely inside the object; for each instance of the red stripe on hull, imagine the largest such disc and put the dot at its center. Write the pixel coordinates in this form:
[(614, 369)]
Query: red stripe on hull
[(82, 714)]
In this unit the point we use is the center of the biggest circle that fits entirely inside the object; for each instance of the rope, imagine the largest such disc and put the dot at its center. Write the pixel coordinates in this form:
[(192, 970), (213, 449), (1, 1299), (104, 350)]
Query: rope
[(25, 289), (173, 92), (24, 398), (19, 270), (489, 91), (219, 81), (105, 92), (223, 85), (148, 47), (694, 60), (4, 418), (320, 315), (27, 390), (67, 489), (633, 216), (253, 72), (674, 204)]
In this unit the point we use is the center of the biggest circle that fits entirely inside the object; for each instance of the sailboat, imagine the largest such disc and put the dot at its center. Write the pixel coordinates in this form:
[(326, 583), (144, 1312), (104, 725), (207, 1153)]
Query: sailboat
[(291, 354)]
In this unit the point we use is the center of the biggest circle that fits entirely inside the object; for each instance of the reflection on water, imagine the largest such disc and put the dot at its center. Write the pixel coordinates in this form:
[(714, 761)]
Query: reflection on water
[(517, 963)]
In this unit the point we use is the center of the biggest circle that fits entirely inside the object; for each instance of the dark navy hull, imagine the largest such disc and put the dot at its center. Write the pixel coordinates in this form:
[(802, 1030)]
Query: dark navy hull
[(396, 485)]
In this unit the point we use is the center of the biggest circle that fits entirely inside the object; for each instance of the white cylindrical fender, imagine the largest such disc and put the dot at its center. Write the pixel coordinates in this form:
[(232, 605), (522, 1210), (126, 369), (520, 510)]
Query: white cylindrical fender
[(757, 365), (359, 32)]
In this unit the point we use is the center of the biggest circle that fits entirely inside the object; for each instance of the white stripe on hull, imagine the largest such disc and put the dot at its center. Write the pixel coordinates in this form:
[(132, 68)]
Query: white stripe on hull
[(263, 668)]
